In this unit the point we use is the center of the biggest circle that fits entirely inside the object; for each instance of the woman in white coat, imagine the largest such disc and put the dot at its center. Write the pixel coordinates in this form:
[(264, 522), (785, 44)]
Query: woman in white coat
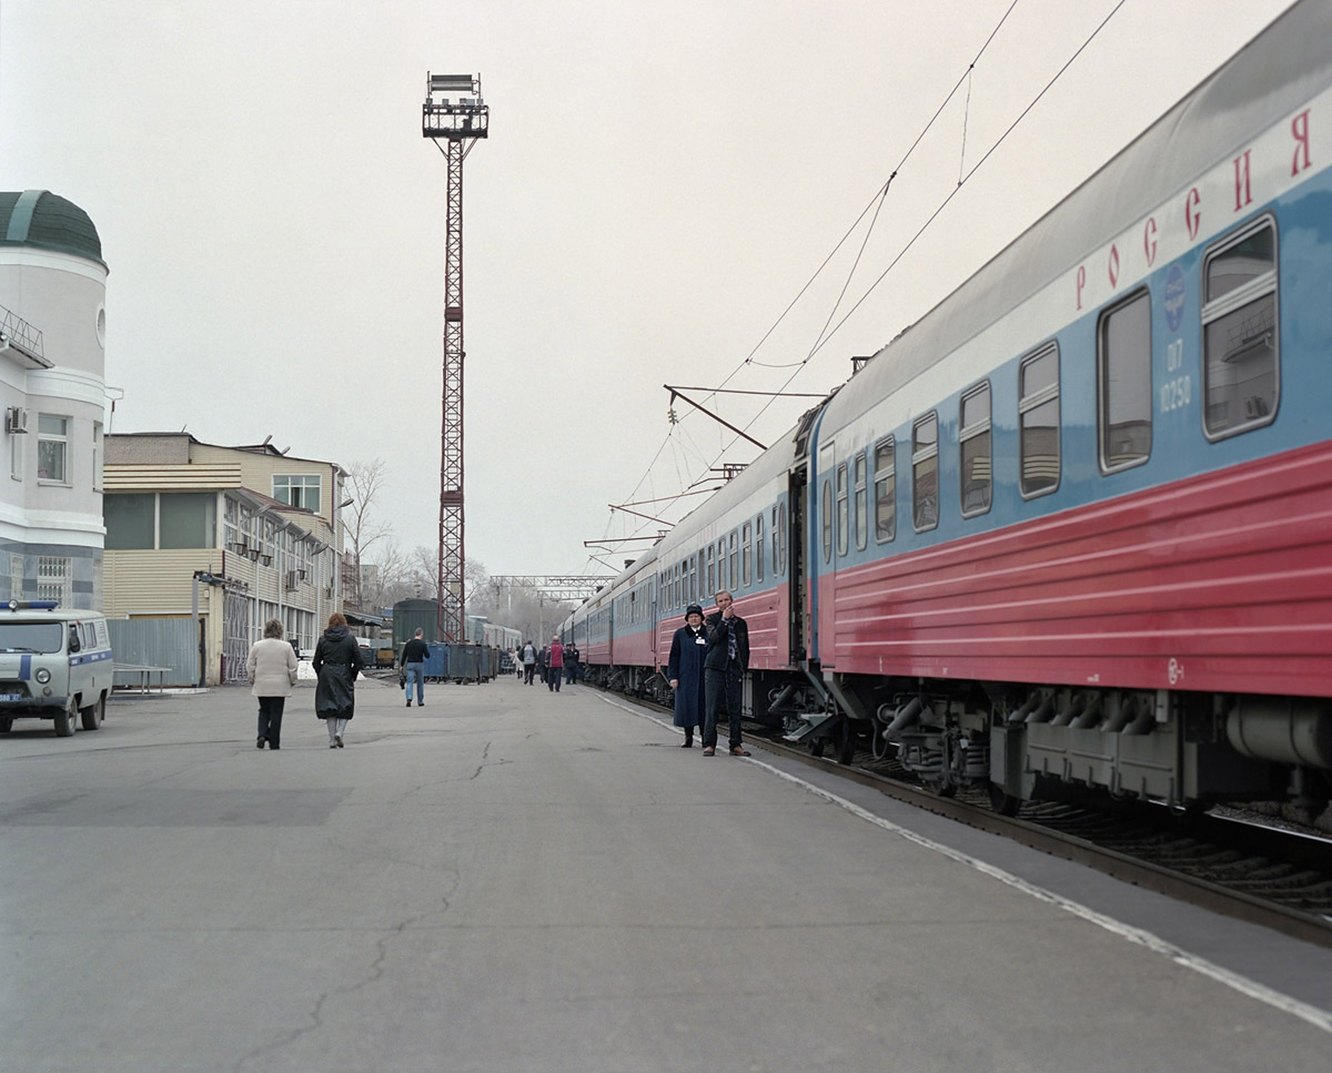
[(272, 670)]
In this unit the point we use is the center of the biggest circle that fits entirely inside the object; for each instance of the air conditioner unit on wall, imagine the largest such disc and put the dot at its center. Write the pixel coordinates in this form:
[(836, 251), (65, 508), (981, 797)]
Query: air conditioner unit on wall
[(16, 419)]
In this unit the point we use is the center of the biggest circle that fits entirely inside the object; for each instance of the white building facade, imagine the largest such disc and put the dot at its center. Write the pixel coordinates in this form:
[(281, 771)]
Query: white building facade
[(53, 398)]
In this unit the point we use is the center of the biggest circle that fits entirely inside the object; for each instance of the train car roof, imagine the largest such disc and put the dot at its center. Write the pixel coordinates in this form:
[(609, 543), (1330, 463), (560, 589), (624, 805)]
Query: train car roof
[(1280, 69)]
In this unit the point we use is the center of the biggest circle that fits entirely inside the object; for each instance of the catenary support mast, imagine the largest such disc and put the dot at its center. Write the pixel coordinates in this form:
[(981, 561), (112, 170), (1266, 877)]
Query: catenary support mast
[(453, 114)]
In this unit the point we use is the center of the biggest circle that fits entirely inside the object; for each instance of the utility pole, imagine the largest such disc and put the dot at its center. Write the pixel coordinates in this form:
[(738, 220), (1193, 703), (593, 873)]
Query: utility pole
[(455, 114)]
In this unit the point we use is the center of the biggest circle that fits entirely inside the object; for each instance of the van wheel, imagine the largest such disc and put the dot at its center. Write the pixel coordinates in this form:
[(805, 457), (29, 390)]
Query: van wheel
[(93, 715), (67, 720)]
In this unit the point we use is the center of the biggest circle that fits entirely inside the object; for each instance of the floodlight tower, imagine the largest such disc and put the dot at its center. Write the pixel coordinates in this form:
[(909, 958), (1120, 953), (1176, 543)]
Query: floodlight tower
[(453, 113)]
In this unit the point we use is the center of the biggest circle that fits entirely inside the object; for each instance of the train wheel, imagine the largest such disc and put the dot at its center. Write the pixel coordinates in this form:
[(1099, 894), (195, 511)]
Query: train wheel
[(1002, 802), (817, 745)]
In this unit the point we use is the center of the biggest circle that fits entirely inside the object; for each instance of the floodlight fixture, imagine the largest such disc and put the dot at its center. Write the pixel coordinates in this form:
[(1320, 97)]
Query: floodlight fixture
[(454, 109)]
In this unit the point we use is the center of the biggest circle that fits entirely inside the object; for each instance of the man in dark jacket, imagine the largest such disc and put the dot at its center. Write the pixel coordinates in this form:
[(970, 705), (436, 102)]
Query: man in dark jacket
[(724, 667), (414, 654)]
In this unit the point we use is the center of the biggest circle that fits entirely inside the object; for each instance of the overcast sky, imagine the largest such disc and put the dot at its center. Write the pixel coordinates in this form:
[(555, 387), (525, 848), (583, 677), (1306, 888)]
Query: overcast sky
[(660, 182)]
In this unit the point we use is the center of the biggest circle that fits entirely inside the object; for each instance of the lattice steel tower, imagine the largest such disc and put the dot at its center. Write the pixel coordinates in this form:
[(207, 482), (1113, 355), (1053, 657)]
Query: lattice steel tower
[(454, 113)]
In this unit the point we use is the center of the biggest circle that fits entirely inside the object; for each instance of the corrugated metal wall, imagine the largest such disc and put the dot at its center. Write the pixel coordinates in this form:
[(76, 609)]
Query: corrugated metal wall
[(169, 641)]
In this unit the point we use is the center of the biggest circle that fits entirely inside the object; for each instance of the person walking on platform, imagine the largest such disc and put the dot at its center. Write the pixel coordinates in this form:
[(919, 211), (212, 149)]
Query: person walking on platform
[(337, 661), (529, 662), (684, 670), (271, 667), (554, 665), (571, 658), (414, 654), (724, 665)]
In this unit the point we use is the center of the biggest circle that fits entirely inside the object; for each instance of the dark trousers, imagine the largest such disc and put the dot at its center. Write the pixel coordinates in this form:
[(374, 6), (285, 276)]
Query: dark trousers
[(570, 672), (721, 689), (270, 720), (554, 676), (529, 671)]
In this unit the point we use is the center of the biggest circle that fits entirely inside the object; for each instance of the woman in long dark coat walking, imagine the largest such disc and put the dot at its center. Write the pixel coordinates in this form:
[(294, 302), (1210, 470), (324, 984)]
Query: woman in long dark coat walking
[(685, 672), (337, 661)]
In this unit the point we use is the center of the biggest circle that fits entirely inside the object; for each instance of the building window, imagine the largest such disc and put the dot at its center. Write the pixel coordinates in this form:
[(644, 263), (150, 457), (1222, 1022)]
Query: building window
[(97, 456), (1240, 332), (974, 438), (188, 520), (16, 455), (130, 520), (52, 447), (885, 490), (1038, 414), (925, 473), (53, 578), (300, 491), (15, 576)]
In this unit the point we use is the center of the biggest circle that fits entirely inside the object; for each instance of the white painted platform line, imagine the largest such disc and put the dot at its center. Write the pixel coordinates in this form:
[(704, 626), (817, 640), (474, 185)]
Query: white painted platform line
[(1321, 1019)]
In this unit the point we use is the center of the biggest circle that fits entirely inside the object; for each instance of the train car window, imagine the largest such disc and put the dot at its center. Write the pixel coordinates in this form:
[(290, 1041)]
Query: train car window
[(827, 519), (758, 547), (1038, 416), (885, 490), (1240, 332), (747, 554), (1124, 383), (925, 473), (712, 576), (974, 441), (861, 503), (843, 508), (679, 570), (781, 529), (693, 579), (721, 566), (734, 572)]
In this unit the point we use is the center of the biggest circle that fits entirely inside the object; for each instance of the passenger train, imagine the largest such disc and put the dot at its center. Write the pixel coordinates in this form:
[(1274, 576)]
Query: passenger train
[(1074, 526)]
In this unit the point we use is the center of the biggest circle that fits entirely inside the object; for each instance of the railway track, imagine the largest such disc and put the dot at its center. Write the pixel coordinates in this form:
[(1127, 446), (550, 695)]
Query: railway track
[(1276, 877)]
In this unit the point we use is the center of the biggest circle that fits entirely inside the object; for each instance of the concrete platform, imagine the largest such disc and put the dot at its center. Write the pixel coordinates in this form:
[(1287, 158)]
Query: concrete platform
[(514, 880)]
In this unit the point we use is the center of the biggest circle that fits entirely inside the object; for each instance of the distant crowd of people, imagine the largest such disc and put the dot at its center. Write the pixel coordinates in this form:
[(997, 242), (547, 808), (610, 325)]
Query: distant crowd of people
[(553, 663)]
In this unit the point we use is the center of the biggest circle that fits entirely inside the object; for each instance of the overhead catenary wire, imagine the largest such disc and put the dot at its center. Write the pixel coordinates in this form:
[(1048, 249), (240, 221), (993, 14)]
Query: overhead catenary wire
[(825, 336)]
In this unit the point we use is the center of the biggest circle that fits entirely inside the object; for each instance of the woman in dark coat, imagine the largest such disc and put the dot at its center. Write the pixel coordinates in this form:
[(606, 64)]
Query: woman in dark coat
[(337, 660), (685, 672)]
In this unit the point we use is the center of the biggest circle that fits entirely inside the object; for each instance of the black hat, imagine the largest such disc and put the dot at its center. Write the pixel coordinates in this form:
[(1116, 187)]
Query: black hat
[(693, 609)]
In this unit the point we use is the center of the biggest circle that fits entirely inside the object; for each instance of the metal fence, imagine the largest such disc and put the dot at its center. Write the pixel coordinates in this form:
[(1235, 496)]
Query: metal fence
[(157, 642)]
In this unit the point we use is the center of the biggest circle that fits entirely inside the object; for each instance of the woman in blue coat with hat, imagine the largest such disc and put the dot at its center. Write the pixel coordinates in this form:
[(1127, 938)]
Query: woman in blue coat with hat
[(685, 672)]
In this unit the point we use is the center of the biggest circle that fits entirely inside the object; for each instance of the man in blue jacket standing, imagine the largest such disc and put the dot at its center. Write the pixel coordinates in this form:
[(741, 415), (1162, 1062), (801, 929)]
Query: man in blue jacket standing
[(724, 668)]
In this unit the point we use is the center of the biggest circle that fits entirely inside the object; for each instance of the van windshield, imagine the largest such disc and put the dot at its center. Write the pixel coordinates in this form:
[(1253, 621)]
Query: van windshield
[(31, 636)]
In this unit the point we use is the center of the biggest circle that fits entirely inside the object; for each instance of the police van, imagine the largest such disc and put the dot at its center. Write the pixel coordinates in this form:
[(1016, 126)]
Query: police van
[(55, 663)]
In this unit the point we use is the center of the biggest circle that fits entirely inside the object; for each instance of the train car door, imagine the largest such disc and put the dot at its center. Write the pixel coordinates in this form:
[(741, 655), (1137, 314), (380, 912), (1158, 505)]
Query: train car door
[(793, 537)]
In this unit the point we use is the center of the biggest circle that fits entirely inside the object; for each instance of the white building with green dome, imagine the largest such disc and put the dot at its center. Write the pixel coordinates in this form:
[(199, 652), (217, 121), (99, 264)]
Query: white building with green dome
[(53, 398)]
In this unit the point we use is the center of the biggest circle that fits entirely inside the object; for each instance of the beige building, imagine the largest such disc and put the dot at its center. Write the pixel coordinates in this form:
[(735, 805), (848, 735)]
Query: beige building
[(234, 535)]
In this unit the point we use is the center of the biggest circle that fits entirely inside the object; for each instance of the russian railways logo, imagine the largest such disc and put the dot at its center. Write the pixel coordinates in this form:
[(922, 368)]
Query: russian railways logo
[(1174, 297)]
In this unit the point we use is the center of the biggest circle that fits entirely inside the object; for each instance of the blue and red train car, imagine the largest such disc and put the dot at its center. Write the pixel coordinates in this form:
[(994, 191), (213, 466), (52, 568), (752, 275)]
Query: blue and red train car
[(1075, 525)]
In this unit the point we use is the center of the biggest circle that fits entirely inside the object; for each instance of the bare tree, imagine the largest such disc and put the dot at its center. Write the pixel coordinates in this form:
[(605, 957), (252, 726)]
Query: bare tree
[(387, 578), (365, 480)]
